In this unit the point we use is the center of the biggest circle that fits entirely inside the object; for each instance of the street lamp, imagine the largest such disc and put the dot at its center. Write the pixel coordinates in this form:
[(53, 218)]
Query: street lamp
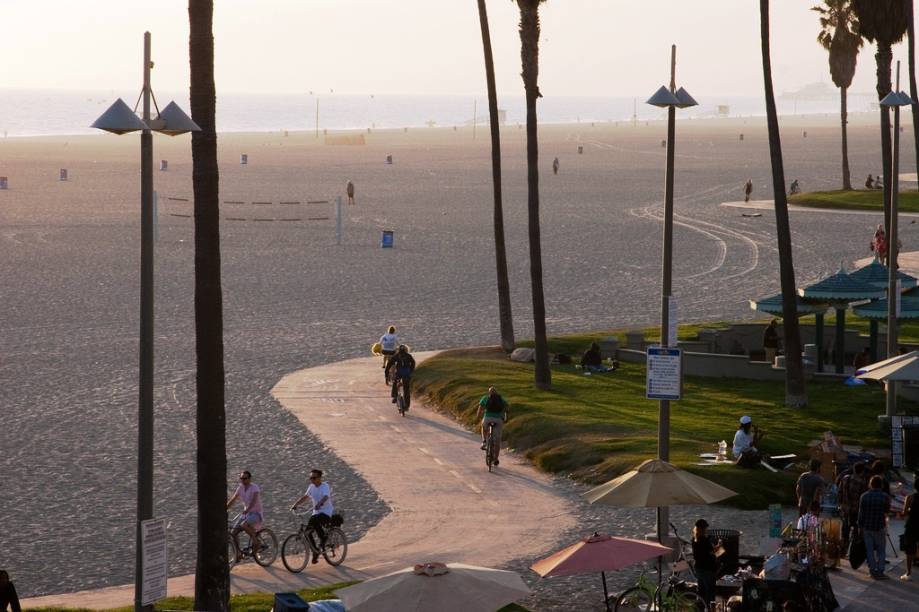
[(120, 119), (671, 99), (894, 99)]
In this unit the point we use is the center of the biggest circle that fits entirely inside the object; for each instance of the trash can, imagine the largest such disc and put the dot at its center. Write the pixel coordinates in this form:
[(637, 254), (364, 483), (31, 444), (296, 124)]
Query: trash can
[(386, 241), (289, 602), (730, 540)]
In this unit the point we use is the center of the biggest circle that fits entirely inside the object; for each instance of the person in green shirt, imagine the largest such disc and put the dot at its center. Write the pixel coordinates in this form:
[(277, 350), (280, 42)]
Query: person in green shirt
[(492, 410)]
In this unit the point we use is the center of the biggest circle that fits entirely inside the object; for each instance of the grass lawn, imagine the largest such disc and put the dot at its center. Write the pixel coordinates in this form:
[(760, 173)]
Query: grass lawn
[(250, 602), (858, 199), (594, 428)]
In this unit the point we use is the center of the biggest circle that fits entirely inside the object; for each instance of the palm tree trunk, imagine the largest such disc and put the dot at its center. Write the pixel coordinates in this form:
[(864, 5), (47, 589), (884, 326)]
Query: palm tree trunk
[(529, 53), (212, 580), (911, 42), (795, 393), (504, 288), (844, 118), (883, 57)]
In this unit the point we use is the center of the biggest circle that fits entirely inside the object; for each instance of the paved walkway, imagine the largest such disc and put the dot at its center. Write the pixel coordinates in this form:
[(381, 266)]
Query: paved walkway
[(768, 205), (428, 469)]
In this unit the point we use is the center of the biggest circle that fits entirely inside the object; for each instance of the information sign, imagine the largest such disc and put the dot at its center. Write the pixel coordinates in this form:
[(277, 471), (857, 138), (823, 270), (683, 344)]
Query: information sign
[(155, 567), (665, 373)]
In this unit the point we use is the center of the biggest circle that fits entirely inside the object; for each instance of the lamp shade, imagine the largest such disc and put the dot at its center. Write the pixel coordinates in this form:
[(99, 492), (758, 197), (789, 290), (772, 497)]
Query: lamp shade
[(175, 121), (663, 98), (685, 99), (119, 119)]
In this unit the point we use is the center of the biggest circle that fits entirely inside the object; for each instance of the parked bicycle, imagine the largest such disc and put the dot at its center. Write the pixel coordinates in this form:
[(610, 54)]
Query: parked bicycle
[(267, 546), (301, 545), (674, 595), (492, 444)]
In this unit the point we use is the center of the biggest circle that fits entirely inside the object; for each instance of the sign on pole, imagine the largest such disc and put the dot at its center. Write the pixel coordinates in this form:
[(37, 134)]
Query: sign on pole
[(665, 373), (671, 321), (154, 566)]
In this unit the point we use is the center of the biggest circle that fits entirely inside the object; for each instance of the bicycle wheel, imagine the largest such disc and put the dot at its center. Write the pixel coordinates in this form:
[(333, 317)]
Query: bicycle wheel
[(686, 602), (400, 400), (267, 547), (635, 599), (489, 448), (295, 553), (231, 551), (336, 546)]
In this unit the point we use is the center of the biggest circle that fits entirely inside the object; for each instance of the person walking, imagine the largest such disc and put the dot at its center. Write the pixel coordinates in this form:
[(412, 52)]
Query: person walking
[(555, 165), (771, 340), (706, 563), (8, 596), (350, 189), (872, 522), (909, 541), (747, 190), (851, 488), (810, 487)]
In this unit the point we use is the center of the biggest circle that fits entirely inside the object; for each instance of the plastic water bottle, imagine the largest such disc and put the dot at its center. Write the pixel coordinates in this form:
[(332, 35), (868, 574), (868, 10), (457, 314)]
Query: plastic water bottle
[(722, 451)]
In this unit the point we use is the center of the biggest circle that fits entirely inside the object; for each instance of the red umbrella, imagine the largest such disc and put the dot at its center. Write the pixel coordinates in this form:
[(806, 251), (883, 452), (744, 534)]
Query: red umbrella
[(599, 553)]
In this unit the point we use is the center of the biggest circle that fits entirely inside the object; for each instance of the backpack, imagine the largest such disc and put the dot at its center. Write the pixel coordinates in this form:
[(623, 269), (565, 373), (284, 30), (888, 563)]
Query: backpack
[(495, 403)]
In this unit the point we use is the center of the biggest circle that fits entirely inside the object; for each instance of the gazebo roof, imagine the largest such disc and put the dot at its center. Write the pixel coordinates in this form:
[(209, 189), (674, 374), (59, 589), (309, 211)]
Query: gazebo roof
[(909, 309), (841, 287), (876, 274), (773, 305)]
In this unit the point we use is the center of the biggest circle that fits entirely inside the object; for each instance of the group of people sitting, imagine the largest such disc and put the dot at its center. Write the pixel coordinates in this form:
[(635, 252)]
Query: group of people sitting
[(592, 360), (874, 182)]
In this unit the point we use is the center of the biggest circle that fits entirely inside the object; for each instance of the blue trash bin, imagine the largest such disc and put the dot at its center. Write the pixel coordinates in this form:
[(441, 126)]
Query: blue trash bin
[(289, 602), (387, 239)]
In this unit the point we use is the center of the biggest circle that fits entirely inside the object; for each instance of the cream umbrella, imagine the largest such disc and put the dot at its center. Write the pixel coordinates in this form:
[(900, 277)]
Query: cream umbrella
[(901, 367), (656, 483), (452, 587)]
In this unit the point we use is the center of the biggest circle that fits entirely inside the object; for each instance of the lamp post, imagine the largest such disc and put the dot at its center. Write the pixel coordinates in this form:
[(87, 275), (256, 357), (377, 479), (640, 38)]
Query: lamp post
[(120, 119), (671, 99), (894, 99)]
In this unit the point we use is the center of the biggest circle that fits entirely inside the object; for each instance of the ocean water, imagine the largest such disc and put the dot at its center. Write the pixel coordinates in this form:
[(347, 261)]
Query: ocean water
[(58, 112)]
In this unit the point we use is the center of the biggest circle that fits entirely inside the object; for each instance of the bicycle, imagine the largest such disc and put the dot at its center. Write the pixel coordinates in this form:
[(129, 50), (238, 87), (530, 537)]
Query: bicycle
[(403, 394), (300, 545), (492, 444), (674, 595), (267, 546)]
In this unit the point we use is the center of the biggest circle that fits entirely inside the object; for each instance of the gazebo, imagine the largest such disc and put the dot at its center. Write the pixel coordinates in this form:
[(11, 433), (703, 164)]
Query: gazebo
[(773, 305), (840, 290), (876, 274), (876, 311)]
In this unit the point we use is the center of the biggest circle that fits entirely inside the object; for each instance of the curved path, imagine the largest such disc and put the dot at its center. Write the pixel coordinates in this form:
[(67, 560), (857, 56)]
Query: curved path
[(427, 468)]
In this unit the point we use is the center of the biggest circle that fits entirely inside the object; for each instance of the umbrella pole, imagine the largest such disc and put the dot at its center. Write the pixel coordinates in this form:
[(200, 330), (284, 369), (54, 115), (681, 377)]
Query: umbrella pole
[(605, 592)]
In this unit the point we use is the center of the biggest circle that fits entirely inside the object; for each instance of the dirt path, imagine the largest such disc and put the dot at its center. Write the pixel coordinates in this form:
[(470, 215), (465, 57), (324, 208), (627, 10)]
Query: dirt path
[(429, 470)]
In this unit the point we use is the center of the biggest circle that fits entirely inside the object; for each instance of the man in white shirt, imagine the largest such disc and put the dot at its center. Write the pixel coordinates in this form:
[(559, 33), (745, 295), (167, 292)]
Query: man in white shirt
[(745, 440), (320, 494), (250, 519), (389, 343)]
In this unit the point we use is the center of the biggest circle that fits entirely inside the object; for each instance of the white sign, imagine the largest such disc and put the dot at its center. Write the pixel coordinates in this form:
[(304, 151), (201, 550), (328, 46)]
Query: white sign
[(665, 373), (671, 321), (154, 565)]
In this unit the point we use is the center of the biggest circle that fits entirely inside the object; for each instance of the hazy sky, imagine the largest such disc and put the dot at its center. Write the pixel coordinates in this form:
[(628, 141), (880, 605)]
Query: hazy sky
[(589, 47)]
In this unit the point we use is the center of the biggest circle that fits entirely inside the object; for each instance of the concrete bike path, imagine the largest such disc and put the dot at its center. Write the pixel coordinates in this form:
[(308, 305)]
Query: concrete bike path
[(429, 470)]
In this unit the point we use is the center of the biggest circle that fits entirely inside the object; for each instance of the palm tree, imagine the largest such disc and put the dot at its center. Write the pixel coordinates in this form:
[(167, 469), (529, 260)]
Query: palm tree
[(529, 55), (504, 287), (883, 22), (795, 392), (911, 43), (212, 580), (839, 36)]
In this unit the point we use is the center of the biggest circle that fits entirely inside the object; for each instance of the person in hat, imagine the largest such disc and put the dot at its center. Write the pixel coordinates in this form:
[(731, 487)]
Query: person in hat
[(745, 440), (706, 562)]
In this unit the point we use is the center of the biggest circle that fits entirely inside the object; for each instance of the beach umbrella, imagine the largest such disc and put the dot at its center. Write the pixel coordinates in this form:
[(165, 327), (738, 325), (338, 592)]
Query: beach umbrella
[(901, 367), (598, 553), (840, 290), (451, 587), (657, 483)]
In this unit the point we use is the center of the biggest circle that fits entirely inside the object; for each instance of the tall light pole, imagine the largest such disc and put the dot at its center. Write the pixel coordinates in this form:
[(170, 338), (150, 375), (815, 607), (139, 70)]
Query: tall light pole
[(671, 99), (120, 119), (894, 99)]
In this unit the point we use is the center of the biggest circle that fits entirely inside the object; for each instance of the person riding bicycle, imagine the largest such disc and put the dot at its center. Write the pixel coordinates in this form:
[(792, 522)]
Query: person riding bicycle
[(400, 367), (389, 343), (250, 519), (495, 413), (321, 495)]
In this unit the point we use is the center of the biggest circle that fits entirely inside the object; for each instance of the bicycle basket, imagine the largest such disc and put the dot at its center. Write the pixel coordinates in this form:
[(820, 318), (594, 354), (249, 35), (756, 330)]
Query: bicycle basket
[(337, 520)]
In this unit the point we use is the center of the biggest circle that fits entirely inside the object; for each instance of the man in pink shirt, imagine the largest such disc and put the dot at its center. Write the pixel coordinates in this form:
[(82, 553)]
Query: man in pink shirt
[(250, 519)]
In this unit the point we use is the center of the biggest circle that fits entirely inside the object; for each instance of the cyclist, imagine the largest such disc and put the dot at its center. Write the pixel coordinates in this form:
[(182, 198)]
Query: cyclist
[(495, 412), (402, 364), (389, 343), (321, 495), (250, 519)]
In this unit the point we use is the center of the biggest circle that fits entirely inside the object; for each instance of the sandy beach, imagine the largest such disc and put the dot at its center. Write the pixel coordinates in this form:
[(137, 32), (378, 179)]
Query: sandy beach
[(69, 253)]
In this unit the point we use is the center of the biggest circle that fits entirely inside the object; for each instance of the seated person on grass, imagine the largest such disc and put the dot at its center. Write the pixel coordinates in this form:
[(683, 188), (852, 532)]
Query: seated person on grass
[(745, 441), (592, 360)]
